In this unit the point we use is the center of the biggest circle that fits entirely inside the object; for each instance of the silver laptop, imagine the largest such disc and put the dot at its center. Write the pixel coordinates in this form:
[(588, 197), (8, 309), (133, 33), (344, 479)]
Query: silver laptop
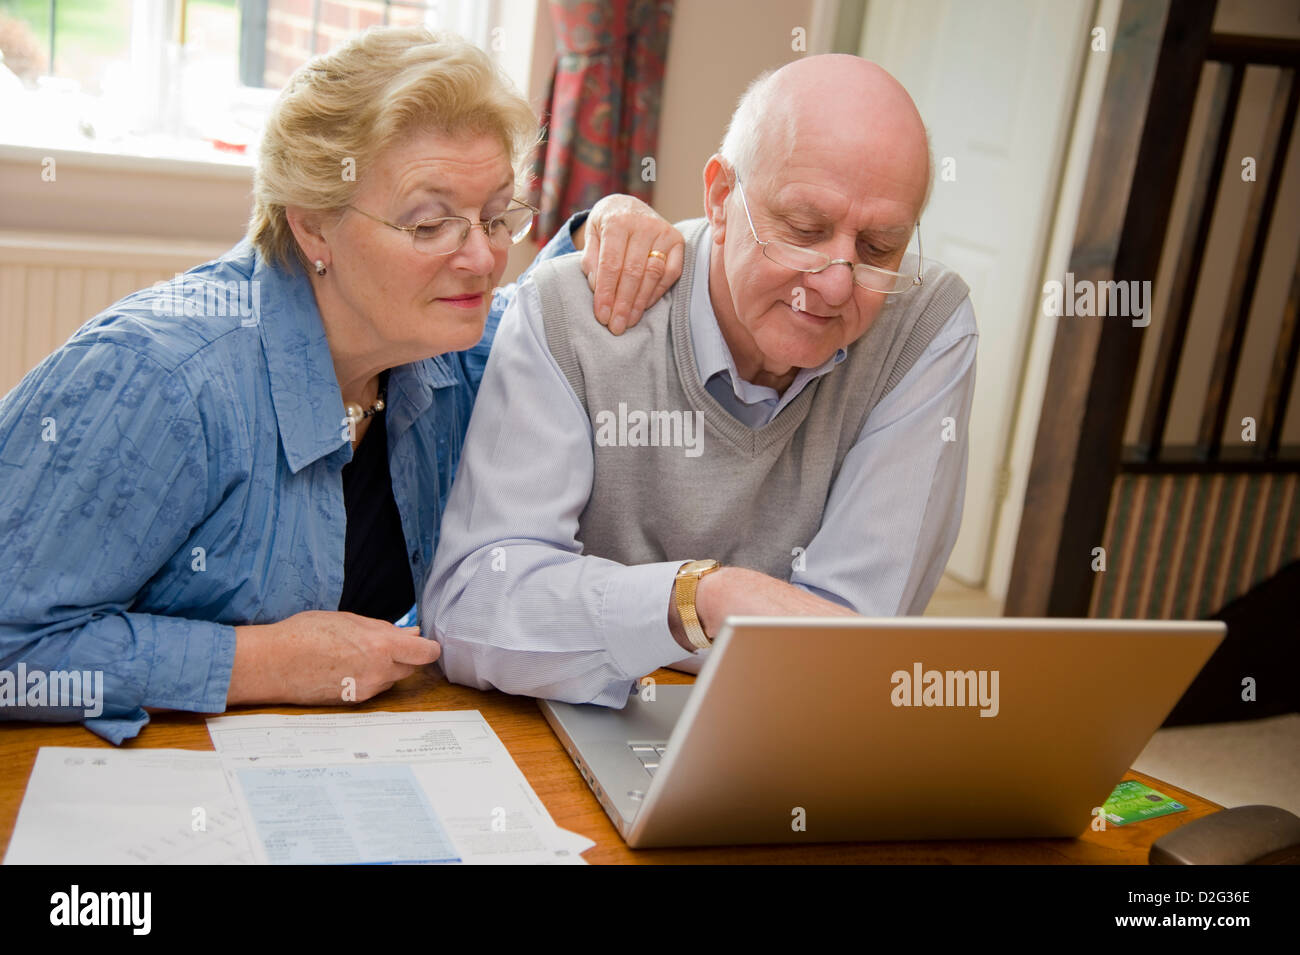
[(846, 729)]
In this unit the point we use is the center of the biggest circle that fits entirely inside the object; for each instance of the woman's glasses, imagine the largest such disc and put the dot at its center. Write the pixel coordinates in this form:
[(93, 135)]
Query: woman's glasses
[(447, 234)]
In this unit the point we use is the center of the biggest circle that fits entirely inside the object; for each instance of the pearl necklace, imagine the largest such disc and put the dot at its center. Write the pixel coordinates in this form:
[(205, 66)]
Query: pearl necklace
[(356, 414)]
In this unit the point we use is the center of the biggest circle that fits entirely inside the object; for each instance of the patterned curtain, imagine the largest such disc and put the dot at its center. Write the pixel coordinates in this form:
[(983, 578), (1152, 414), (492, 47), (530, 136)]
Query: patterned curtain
[(602, 111)]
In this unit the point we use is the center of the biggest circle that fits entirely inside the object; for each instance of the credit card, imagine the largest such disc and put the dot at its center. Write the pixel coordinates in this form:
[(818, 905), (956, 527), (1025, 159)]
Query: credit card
[(1132, 802)]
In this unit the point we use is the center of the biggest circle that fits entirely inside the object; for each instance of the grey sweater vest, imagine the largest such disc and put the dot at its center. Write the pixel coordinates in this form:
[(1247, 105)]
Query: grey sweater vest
[(676, 476)]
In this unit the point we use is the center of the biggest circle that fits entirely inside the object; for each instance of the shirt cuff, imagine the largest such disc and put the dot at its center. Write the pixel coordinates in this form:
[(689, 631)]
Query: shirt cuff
[(118, 729), (635, 618), (575, 223), (562, 242), (190, 662)]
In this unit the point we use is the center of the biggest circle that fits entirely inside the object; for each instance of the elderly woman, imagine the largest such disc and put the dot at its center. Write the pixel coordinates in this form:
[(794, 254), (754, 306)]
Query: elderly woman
[(206, 465)]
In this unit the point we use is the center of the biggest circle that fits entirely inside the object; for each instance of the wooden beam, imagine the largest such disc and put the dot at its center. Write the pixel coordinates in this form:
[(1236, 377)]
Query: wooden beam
[(1235, 459), (1156, 58), (1254, 50), (1224, 98), (1250, 253), (1282, 377)]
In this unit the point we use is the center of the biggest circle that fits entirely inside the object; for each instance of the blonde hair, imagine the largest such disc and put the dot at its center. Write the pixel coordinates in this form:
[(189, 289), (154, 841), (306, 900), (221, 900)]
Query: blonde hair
[(341, 111)]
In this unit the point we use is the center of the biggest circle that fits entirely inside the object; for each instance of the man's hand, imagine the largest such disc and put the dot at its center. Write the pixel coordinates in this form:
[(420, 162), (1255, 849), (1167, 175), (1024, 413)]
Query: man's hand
[(307, 657), (735, 591), (620, 234)]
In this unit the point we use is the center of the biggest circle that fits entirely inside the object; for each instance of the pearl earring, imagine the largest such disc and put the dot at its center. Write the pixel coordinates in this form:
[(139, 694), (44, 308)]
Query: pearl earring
[(320, 267)]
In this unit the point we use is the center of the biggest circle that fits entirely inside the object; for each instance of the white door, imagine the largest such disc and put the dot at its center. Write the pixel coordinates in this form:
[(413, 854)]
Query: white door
[(995, 81)]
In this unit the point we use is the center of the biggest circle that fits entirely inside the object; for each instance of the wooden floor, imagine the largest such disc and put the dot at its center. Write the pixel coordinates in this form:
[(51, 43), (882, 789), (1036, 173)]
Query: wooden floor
[(954, 599)]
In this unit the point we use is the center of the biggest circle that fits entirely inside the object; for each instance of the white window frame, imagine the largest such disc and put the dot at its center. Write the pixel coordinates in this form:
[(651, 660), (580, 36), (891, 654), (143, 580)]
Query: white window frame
[(156, 59)]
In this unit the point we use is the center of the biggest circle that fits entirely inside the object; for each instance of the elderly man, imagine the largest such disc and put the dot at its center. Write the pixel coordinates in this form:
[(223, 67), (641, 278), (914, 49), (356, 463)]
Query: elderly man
[(790, 439)]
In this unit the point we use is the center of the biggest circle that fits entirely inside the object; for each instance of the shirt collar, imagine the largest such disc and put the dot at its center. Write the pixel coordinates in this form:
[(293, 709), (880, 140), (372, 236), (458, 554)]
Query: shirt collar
[(411, 387), (712, 356), (304, 388)]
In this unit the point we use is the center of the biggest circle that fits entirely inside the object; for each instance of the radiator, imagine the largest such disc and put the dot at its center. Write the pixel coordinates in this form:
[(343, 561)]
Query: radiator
[(50, 285)]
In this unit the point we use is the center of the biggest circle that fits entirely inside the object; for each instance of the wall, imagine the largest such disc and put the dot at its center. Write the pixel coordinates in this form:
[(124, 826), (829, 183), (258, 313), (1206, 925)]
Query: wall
[(289, 30), (93, 194), (716, 48)]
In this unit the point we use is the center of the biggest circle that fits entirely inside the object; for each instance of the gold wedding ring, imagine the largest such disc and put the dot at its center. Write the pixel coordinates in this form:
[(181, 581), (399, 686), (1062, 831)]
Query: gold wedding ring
[(656, 254)]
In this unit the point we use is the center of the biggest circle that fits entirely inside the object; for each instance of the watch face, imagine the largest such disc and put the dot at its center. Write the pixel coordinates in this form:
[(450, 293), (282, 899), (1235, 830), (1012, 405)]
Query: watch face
[(699, 567)]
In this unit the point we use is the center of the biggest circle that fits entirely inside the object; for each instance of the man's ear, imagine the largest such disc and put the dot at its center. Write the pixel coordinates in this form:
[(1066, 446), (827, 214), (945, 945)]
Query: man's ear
[(306, 227), (718, 177)]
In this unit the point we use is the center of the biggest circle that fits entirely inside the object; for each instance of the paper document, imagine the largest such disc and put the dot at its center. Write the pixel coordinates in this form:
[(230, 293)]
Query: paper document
[(353, 788), (385, 788), (120, 807)]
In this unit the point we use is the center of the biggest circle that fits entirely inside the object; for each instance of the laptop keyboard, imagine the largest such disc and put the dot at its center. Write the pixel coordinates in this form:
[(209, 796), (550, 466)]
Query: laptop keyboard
[(649, 753)]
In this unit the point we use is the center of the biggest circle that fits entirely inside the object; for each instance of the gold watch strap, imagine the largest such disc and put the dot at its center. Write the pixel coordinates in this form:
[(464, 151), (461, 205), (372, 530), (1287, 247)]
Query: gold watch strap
[(684, 588)]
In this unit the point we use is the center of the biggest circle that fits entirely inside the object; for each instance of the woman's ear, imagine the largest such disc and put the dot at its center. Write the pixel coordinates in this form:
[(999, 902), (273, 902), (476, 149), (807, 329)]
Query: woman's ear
[(306, 226)]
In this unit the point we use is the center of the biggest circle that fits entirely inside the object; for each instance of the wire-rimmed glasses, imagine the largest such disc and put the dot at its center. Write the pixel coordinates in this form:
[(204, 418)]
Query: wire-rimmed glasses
[(447, 234), (802, 259)]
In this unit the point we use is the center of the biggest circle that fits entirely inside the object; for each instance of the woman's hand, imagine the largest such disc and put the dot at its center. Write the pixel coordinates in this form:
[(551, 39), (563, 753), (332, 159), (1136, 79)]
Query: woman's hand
[(620, 234), (324, 657)]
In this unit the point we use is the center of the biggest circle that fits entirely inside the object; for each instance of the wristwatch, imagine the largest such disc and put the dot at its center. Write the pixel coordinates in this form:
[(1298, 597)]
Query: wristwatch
[(684, 586)]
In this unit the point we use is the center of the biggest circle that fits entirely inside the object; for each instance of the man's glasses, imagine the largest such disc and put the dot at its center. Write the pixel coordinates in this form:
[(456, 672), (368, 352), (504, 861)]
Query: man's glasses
[(810, 260), (447, 234)]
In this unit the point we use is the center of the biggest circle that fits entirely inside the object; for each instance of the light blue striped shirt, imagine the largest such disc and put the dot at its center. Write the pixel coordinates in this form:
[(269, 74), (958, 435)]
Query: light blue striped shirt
[(517, 606)]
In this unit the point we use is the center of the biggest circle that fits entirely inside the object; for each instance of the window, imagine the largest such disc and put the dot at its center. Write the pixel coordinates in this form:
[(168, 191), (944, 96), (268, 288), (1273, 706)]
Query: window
[(179, 78)]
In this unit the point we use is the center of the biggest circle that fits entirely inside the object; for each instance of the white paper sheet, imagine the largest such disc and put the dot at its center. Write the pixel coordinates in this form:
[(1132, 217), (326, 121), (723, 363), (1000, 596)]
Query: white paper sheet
[(123, 807), (385, 787)]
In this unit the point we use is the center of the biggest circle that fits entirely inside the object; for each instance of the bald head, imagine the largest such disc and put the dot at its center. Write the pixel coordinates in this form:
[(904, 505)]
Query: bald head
[(836, 102)]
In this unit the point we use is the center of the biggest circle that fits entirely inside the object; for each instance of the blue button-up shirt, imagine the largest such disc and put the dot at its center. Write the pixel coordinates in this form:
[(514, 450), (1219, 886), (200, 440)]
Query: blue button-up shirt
[(174, 471)]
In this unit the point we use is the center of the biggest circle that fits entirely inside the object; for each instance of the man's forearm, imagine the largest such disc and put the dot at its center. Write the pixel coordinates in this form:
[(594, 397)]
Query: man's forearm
[(737, 591), (532, 619)]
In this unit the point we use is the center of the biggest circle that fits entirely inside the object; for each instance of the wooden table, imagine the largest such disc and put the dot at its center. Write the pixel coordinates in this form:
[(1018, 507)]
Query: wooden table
[(525, 733)]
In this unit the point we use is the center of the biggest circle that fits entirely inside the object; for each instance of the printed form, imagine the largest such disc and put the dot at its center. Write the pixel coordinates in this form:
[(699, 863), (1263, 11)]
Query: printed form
[(383, 788), (125, 807), (358, 788)]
